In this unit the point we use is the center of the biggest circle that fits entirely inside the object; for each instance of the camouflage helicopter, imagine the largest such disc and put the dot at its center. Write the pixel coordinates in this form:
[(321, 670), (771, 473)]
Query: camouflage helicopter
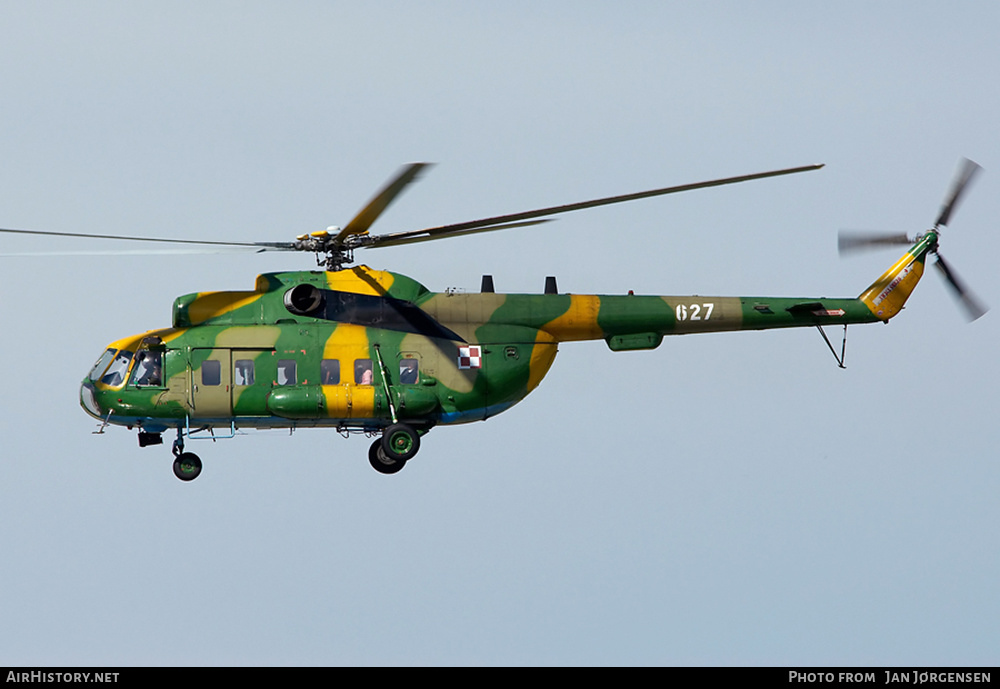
[(369, 351)]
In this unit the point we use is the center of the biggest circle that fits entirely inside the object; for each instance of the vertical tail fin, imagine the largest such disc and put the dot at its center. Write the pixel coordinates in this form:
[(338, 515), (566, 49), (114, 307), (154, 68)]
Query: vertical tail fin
[(886, 296)]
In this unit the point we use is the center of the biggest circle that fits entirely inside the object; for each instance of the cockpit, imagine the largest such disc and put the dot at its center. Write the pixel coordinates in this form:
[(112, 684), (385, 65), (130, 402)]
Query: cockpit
[(113, 367), (141, 368), (134, 362)]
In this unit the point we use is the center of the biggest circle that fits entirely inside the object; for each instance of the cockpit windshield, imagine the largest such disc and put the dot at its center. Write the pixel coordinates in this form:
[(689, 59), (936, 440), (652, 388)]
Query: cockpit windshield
[(102, 363), (115, 374)]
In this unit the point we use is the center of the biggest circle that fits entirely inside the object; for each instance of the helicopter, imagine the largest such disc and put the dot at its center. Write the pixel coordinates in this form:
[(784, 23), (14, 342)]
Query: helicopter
[(375, 352)]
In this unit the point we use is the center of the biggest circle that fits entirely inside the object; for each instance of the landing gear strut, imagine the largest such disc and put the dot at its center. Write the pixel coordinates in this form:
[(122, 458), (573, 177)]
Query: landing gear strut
[(187, 465)]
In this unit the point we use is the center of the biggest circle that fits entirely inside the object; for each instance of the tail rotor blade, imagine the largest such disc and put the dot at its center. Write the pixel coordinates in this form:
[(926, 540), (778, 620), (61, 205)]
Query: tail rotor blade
[(852, 242), (966, 172), (972, 306)]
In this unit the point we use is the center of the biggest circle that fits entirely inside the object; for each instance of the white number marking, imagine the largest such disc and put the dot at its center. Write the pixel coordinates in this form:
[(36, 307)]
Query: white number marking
[(693, 312)]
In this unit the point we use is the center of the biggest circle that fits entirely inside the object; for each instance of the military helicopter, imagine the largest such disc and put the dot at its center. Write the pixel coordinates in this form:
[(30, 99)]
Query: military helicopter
[(375, 352)]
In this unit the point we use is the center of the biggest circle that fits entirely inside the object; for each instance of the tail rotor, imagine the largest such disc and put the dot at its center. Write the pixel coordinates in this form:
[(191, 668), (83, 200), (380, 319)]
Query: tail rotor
[(852, 242)]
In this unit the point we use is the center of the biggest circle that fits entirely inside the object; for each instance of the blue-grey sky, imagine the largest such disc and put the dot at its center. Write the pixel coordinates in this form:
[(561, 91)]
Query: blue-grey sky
[(725, 499)]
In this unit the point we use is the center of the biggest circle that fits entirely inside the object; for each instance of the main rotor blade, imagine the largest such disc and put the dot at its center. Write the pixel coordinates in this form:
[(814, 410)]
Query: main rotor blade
[(966, 171), (279, 246), (443, 230), (415, 236), (141, 252), (850, 242), (972, 306), (367, 215)]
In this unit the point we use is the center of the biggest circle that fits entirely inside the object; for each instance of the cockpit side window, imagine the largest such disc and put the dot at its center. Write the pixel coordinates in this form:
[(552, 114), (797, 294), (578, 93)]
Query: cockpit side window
[(148, 370), (119, 367), (102, 363)]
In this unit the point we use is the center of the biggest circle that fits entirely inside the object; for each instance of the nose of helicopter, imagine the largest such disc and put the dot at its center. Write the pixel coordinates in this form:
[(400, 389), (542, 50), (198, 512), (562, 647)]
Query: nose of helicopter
[(88, 400)]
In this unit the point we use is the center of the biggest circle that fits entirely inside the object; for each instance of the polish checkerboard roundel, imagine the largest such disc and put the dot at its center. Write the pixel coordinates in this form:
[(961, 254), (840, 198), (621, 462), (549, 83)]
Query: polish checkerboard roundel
[(470, 357)]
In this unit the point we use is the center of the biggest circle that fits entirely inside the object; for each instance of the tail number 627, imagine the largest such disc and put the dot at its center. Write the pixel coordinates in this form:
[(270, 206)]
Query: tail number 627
[(694, 312)]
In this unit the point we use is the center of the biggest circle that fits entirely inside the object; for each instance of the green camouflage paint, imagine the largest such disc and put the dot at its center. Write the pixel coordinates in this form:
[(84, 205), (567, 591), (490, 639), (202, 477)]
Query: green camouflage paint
[(358, 348)]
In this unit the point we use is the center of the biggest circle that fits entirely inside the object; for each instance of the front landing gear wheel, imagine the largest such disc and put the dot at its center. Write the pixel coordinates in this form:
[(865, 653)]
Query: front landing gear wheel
[(381, 462), (399, 441), (187, 466)]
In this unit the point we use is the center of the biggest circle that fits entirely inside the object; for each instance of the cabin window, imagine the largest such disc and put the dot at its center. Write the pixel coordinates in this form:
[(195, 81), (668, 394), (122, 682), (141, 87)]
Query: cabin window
[(363, 374), (119, 367), (211, 372), (148, 369), (102, 363), (329, 372), (408, 371), (243, 372), (286, 372)]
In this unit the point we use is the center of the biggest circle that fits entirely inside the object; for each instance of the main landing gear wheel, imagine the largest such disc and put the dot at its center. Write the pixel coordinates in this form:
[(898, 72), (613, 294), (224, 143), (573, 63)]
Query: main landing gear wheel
[(400, 442), (381, 462), (187, 466)]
